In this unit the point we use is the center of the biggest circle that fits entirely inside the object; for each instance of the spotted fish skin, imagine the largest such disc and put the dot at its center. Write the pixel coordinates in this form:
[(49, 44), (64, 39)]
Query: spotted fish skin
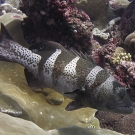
[(70, 74)]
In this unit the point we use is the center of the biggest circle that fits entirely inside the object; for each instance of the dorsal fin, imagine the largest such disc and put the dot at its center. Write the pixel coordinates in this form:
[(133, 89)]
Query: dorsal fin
[(5, 33), (51, 45), (47, 46), (82, 55)]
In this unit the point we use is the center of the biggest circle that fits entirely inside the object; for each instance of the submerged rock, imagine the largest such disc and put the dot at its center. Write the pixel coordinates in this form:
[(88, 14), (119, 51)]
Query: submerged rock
[(82, 131), (98, 10), (12, 21), (55, 98), (46, 116), (16, 126), (20, 127), (102, 11)]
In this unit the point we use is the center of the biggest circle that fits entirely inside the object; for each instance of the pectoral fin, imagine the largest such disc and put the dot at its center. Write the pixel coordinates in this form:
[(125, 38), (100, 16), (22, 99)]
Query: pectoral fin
[(73, 106)]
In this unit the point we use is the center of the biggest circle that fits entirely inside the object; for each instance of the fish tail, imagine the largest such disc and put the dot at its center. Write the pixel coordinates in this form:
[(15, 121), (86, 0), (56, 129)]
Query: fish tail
[(12, 51)]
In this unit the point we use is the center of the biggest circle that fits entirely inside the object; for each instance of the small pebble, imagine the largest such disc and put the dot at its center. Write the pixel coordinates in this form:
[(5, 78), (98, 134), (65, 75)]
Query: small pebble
[(55, 98), (85, 115)]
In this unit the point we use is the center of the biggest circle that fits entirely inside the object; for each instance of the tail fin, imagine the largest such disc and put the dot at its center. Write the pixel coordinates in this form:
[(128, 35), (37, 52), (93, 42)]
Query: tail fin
[(12, 51), (5, 33)]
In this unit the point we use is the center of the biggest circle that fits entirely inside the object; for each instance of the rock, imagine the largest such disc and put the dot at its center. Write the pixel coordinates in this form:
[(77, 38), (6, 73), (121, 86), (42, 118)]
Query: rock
[(85, 117), (102, 11), (16, 126), (55, 98), (82, 131), (117, 122), (14, 3), (98, 11), (12, 21), (46, 116)]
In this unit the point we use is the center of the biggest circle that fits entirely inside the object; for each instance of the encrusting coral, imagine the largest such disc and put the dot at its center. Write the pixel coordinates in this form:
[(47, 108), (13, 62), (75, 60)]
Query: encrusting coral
[(57, 20), (129, 43), (10, 6), (130, 68)]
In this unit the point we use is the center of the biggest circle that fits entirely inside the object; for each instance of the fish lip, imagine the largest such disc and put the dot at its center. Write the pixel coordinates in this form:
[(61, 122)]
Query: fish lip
[(123, 109)]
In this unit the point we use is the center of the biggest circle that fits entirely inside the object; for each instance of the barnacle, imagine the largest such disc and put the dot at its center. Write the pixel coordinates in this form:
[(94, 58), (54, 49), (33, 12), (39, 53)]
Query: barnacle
[(120, 55)]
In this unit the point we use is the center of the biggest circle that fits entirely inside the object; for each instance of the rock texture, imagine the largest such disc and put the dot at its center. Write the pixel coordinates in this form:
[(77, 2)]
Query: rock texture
[(82, 131), (17, 126)]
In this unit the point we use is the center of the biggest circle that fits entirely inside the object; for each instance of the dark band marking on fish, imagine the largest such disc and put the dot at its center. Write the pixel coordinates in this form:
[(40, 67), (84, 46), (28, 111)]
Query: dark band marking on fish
[(106, 86), (60, 64), (101, 77), (47, 65), (82, 70)]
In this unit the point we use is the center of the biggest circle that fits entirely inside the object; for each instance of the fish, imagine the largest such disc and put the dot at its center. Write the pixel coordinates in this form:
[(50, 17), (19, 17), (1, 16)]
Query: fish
[(73, 74)]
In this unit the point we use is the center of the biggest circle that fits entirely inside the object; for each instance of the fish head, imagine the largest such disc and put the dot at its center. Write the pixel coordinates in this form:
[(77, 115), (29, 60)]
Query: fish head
[(111, 97)]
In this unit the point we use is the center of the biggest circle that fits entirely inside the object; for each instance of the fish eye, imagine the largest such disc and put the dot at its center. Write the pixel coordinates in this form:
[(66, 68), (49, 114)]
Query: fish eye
[(121, 91)]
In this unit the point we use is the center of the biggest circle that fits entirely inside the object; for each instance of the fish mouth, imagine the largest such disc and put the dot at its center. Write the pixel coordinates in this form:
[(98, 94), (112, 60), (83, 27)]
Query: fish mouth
[(123, 109)]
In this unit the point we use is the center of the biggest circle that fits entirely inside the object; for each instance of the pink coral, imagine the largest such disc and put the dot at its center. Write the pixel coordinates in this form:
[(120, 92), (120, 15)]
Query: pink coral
[(130, 67), (104, 53), (67, 19), (125, 73)]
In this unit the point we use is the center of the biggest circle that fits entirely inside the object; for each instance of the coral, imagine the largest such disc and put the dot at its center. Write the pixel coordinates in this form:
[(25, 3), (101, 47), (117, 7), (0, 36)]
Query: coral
[(96, 32), (120, 55), (14, 3), (129, 43), (121, 75), (125, 73), (56, 20), (10, 6), (117, 122), (130, 67), (103, 54), (111, 24)]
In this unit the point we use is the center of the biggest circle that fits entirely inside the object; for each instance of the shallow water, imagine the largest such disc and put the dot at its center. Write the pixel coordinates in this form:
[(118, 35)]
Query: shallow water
[(47, 111)]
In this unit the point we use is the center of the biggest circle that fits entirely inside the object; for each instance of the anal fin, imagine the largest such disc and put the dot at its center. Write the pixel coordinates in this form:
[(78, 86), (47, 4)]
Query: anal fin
[(32, 81), (73, 106)]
